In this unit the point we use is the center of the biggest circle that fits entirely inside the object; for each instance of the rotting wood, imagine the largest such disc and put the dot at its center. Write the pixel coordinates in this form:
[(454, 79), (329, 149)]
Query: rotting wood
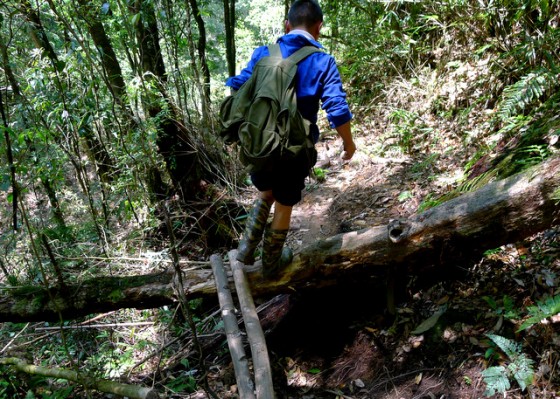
[(255, 334), (245, 384), (459, 230), (107, 386)]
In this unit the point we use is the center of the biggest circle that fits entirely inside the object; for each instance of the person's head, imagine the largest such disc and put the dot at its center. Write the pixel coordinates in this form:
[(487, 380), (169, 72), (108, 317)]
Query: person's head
[(307, 15)]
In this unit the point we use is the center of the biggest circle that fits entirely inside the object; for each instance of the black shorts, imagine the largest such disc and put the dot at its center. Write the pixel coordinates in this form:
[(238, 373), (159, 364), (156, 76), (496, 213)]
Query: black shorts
[(286, 179)]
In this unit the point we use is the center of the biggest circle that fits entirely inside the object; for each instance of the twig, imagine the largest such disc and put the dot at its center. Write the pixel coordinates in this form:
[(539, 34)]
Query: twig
[(339, 394), (101, 258), (14, 338), (179, 338), (37, 339), (183, 302), (83, 326), (95, 318), (390, 379)]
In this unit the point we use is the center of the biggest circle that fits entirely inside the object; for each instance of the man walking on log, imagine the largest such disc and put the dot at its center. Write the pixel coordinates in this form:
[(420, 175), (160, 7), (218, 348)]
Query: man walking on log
[(317, 81)]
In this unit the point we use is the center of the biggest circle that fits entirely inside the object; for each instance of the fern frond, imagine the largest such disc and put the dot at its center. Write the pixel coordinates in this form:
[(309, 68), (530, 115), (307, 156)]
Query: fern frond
[(520, 367), (511, 348), (548, 308), (522, 370), (477, 182), (496, 380), (528, 89)]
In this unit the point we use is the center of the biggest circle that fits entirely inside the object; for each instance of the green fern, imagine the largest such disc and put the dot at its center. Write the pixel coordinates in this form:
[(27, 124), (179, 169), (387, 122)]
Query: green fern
[(477, 182), (525, 91), (550, 307), (496, 379), (520, 368), (466, 187)]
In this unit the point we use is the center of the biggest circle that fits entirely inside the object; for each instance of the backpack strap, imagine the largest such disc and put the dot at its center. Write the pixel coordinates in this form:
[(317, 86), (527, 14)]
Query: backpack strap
[(299, 55), (303, 53), (274, 50)]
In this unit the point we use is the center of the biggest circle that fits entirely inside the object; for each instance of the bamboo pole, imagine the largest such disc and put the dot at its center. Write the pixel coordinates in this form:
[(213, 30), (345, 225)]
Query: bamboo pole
[(108, 386), (245, 384), (261, 362)]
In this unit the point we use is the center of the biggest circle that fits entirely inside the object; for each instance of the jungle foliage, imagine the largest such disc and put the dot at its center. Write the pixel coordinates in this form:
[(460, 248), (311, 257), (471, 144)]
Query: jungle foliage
[(108, 118)]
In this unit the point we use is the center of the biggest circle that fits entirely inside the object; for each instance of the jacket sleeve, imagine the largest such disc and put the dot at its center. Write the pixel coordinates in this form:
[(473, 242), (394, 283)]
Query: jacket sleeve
[(334, 97), (235, 82)]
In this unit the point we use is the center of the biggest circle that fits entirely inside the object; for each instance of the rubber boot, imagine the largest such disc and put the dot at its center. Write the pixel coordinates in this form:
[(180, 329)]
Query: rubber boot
[(275, 255), (254, 228)]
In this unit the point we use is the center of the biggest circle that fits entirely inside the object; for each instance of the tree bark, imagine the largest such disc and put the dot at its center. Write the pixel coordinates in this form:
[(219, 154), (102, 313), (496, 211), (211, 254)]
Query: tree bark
[(11, 164), (126, 390), (109, 60), (201, 48), (259, 353), (453, 233), (240, 361), (174, 142), (229, 24)]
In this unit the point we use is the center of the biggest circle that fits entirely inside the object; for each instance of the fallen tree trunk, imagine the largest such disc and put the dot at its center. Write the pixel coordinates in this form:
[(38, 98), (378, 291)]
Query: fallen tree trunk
[(108, 386), (459, 230)]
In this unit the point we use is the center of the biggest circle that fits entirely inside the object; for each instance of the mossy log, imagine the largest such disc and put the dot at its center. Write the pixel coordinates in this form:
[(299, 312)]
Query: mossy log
[(103, 385), (452, 233)]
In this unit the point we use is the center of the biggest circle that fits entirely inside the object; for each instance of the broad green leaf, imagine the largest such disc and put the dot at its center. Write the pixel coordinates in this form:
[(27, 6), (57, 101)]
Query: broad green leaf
[(430, 322), (5, 182), (135, 19)]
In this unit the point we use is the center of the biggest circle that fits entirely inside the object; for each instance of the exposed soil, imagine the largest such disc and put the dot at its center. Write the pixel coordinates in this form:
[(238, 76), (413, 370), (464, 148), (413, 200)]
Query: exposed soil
[(342, 342)]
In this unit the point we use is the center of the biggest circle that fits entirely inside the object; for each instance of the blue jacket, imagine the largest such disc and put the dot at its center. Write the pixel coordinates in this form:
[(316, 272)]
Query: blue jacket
[(318, 79)]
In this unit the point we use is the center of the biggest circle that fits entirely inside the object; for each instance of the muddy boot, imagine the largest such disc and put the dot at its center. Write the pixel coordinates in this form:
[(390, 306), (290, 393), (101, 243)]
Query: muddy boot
[(254, 227), (275, 255)]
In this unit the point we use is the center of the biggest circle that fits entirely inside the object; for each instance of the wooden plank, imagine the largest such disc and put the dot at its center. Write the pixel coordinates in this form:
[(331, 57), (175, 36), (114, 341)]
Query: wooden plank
[(259, 352), (245, 385)]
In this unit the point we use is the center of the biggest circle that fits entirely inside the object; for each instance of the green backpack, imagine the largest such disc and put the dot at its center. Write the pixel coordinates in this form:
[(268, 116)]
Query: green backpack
[(263, 116)]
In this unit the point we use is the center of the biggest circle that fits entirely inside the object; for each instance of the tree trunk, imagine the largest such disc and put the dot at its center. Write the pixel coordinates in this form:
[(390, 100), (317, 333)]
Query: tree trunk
[(229, 24), (109, 61), (12, 166), (174, 141), (201, 48), (454, 233)]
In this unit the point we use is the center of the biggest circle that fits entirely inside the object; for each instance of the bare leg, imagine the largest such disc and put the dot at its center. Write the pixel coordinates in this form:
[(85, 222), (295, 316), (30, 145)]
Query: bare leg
[(267, 196), (275, 255), (282, 217), (282, 213)]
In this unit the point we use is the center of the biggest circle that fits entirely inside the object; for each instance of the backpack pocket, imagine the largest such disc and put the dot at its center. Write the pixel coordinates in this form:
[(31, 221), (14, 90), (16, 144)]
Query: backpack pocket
[(258, 137), (230, 120)]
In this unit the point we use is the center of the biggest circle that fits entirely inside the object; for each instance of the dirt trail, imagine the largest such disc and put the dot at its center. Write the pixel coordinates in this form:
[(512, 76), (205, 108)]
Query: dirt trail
[(354, 195)]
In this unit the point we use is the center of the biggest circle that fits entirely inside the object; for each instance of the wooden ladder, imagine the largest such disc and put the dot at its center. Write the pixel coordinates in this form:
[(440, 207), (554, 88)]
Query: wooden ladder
[(262, 386)]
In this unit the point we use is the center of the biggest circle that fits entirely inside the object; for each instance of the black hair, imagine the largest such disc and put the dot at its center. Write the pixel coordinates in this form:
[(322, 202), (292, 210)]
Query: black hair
[(305, 13)]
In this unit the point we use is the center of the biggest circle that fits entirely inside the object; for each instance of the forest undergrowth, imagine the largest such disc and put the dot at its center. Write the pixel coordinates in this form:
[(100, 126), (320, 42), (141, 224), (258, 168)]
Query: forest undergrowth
[(342, 343), (447, 117)]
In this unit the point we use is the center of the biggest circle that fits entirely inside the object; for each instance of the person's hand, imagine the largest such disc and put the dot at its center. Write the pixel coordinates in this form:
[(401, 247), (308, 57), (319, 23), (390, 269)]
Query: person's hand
[(349, 150)]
